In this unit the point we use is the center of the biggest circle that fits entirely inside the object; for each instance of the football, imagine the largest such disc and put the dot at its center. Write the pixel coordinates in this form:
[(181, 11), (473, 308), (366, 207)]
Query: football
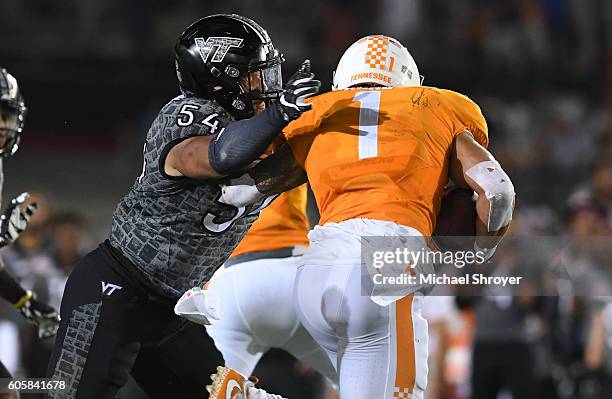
[(456, 223)]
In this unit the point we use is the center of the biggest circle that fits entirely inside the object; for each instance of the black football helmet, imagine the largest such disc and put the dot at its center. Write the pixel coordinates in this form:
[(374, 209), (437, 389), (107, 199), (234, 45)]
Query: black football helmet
[(217, 53), (12, 114)]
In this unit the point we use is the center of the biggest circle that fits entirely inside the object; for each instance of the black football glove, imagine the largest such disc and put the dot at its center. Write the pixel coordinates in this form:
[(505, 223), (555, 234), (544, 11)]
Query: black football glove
[(40, 314), (14, 220), (301, 85)]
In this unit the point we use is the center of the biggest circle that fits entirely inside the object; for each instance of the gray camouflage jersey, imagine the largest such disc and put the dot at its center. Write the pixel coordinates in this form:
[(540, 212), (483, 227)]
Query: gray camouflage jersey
[(173, 229)]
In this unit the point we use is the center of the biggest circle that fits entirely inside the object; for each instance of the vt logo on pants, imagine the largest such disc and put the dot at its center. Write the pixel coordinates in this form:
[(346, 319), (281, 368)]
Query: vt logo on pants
[(109, 288)]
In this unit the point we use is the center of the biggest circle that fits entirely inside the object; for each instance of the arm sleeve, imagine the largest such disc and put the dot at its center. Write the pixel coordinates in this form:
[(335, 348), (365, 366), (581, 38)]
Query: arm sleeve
[(241, 142)]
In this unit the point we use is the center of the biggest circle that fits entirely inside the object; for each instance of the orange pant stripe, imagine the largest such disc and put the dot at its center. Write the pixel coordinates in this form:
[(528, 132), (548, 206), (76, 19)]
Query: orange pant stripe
[(405, 374)]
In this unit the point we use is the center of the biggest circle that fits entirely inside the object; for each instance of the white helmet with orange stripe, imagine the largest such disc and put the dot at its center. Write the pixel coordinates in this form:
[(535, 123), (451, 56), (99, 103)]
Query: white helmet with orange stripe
[(379, 60)]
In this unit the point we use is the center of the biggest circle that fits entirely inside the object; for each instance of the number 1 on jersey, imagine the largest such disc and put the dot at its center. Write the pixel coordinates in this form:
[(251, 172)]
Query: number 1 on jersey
[(368, 123)]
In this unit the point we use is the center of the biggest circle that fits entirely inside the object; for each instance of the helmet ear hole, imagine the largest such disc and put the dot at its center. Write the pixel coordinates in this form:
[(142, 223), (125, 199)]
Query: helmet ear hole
[(232, 72)]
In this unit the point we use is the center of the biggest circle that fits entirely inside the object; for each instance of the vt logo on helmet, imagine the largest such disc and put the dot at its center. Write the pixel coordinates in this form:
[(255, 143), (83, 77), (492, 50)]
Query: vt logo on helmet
[(229, 59), (220, 45), (12, 114)]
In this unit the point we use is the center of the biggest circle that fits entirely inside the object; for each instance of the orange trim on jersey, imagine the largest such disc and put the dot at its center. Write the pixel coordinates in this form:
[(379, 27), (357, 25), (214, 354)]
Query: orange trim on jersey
[(405, 372)]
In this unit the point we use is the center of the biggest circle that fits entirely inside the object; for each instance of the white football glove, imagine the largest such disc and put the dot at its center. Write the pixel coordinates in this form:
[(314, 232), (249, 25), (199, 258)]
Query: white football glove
[(240, 191), (14, 220), (198, 305), (40, 314)]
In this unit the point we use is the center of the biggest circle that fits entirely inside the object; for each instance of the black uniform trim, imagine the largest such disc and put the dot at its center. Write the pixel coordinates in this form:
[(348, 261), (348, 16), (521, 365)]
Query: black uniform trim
[(251, 256)]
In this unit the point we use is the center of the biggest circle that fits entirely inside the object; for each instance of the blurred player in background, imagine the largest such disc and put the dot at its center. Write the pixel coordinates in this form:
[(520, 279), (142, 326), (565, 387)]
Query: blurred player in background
[(174, 228), (255, 292), (438, 311), (598, 349), (14, 220), (378, 151)]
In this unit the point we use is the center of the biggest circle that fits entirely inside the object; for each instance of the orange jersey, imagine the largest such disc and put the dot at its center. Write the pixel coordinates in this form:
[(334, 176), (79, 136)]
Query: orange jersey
[(283, 224), (382, 153)]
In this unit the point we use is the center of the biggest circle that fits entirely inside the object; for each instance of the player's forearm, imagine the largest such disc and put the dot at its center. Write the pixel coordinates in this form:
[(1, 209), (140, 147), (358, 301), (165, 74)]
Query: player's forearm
[(486, 238), (241, 142), (10, 289), (270, 185), (495, 204), (278, 172), (227, 152), (474, 167)]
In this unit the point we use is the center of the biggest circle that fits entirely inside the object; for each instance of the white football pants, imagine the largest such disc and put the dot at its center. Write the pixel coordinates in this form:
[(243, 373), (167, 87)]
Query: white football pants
[(381, 351), (257, 313)]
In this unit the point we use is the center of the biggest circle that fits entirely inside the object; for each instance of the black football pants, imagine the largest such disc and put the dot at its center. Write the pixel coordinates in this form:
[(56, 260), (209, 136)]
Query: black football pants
[(110, 328)]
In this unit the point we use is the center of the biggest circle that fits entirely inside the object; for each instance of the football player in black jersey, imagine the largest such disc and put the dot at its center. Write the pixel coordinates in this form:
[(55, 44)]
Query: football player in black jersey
[(14, 220), (175, 227)]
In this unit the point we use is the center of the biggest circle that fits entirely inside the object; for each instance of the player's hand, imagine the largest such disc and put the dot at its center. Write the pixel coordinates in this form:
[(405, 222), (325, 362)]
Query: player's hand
[(198, 305), (41, 315), (14, 220), (240, 191), (301, 85)]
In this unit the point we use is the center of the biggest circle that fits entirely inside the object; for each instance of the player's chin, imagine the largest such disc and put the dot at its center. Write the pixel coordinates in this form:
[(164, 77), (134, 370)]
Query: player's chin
[(259, 106)]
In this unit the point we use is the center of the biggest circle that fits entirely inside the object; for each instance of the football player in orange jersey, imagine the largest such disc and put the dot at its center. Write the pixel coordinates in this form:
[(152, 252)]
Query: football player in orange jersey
[(378, 151), (254, 290)]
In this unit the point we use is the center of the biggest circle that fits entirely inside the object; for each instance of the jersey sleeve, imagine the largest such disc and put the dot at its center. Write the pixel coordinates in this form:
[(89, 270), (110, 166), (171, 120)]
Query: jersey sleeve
[(180, 119), (464, 114)]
